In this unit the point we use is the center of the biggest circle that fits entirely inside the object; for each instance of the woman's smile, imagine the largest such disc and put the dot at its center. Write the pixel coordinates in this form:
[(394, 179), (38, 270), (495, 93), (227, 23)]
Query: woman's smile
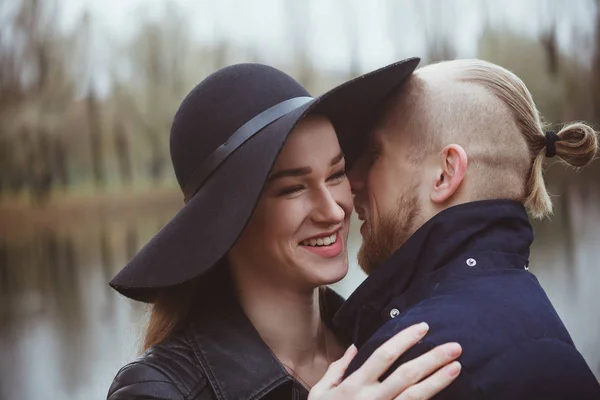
[(326, 246)]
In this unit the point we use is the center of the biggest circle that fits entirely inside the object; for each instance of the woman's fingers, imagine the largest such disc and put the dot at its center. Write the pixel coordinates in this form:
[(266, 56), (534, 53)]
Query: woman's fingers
[(383, 358), (336, 370), (415, 370), (433, 384), (421, 378)]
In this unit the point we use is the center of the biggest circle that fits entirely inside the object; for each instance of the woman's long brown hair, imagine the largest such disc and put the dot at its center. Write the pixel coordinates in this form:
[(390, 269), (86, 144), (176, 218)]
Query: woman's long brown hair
[(170, 309), (172, 306)]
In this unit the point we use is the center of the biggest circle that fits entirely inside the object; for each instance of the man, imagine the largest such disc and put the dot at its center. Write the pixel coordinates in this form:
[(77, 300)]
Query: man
[(454, 164)]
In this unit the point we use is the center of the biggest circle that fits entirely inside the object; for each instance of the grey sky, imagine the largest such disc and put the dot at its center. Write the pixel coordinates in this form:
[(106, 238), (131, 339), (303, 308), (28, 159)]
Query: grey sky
[(264, 24)]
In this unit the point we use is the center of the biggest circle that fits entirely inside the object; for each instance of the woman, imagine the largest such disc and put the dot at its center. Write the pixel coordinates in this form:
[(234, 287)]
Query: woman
[(235, 277)]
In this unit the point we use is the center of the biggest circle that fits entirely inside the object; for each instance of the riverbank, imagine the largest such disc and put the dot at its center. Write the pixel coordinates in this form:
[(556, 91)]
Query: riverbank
[(19, 216)]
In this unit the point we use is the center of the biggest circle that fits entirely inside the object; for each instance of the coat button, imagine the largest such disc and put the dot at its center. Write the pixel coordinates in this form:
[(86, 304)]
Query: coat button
[(394, 312), (471, 262)]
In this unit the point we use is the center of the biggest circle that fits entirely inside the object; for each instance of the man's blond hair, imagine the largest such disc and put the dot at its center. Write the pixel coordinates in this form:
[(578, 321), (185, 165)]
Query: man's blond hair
[(490, 112)]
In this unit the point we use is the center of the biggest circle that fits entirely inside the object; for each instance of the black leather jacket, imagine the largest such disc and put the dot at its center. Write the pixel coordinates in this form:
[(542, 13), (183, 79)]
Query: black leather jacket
[(216, 355)]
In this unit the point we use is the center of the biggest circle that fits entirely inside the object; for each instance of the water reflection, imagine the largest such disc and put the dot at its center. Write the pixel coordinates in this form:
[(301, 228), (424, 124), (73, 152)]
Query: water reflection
[(64, 333)]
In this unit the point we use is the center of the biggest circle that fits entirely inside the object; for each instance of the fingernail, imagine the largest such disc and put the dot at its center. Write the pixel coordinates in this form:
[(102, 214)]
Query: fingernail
[(422, 328), (453, 369), (351, 349), (453, 350)]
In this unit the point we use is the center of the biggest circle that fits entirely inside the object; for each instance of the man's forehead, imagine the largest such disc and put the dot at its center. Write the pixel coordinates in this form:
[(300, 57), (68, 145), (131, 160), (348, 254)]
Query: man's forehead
[(430, 99), (392, 123), (380, 135), (404, 106), (411, 106)]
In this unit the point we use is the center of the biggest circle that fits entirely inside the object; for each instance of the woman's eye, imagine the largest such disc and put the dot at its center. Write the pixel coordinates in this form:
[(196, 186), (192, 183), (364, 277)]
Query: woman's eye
[(337, 177), (290, 190)]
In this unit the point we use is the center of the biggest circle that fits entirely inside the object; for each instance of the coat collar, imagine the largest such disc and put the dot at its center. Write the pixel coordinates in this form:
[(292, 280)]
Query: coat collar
[(235, 359), (492, 225)]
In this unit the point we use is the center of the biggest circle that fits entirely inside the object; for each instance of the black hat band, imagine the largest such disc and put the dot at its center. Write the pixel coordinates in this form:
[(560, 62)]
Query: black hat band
[(238, 138)]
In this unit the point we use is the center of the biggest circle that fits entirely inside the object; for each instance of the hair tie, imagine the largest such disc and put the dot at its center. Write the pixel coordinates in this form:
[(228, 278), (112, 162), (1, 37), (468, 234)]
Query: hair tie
[(551, 139)]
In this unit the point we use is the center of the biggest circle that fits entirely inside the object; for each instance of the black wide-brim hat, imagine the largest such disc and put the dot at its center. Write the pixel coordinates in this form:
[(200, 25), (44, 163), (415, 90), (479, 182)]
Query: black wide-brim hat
[(225, 138)]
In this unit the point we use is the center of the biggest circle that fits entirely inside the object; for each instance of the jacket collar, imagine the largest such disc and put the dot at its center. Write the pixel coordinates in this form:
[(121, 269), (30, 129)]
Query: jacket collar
[(483, 226), (235, 359)]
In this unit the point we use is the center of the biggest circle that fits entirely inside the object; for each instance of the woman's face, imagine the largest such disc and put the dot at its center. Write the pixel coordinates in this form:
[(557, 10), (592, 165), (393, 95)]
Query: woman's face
[(297, 234)]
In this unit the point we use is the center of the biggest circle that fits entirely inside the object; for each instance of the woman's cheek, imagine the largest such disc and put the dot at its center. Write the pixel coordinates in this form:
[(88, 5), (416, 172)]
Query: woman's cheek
[(343, 196)]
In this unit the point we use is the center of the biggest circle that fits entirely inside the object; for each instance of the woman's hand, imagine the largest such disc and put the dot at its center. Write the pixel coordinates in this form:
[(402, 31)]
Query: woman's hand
[(407, 382)]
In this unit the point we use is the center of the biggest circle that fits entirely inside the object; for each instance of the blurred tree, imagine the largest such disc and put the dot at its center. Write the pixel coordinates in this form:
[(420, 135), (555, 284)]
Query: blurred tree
[(60, 159), (95, 129), (527, 58), (547, 17), (298, 15), (595, 84), (349, 10), (550, 44), (23, 56), (437, 20), (42, 176), (219, 53), (35, 89), (123, 152), (160, 57)]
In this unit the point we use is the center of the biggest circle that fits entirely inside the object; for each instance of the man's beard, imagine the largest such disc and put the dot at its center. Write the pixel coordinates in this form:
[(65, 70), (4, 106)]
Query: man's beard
[(392, 232)]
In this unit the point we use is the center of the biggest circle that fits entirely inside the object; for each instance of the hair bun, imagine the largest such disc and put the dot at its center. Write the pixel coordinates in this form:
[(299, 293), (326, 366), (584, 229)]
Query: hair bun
[(577, 144)]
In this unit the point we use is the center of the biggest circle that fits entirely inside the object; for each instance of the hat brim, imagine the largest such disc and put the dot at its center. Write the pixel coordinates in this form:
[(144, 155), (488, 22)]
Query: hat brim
[(187, 246)]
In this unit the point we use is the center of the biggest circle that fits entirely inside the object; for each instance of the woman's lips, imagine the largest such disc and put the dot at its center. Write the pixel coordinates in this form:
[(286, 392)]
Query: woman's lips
[(330, 251)]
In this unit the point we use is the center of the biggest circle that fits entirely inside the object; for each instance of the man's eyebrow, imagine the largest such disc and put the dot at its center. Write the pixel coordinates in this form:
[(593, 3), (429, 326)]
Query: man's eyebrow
[(302, 170)]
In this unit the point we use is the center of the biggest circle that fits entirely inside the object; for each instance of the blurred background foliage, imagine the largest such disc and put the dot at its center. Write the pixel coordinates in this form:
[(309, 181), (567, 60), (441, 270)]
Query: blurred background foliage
[(58, 133)]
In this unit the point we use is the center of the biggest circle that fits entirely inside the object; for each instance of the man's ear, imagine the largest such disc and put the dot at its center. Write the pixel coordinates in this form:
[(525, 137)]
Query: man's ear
[(452, 168)]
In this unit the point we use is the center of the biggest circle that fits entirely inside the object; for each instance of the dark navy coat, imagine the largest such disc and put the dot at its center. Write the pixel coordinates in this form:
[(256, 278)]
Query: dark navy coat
[(465, 273)]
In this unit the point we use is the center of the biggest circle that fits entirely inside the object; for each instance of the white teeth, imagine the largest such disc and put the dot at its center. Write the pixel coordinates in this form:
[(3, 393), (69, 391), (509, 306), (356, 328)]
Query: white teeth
[(325, 241)]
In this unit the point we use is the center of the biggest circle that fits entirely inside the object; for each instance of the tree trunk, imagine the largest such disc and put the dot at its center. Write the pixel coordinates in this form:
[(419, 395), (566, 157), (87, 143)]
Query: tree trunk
[(123, 153), (93, 114), (596, 66)]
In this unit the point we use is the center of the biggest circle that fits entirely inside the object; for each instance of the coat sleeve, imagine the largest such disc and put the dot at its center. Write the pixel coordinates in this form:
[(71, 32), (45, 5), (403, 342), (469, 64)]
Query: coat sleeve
[(139, 381), (539, 369)]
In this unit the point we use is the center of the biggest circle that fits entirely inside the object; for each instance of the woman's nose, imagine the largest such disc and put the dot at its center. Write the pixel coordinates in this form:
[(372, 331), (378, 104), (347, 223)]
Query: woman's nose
[(326, 209)]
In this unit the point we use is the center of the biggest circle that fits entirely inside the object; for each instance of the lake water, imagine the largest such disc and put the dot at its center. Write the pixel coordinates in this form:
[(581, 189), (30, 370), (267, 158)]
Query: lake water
[(64, 333)]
